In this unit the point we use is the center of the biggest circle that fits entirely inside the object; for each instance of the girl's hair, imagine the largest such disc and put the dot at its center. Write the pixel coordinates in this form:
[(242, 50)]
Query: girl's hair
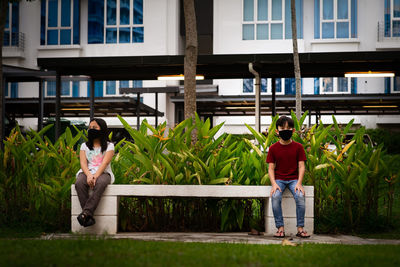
[(103, 136)]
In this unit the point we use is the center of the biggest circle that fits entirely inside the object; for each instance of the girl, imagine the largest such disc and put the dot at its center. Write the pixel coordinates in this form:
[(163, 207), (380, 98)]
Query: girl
[(95, 173)]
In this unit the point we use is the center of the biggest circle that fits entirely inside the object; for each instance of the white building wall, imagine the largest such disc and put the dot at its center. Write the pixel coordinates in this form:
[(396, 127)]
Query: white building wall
[(161, 37), (228, 40)]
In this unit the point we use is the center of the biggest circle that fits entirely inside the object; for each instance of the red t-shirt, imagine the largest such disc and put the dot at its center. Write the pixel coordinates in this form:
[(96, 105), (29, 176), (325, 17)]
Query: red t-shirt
[(286, 159)]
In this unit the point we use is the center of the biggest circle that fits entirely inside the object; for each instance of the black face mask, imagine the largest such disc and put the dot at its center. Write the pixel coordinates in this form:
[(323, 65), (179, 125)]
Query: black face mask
[(285, 134), (94, 134)]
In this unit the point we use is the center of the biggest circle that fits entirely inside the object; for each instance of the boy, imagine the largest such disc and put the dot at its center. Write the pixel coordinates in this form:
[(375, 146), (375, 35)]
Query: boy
[(286, 168)]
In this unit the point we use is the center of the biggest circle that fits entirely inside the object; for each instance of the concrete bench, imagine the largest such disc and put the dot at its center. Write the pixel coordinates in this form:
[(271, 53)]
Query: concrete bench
[(106, 214)]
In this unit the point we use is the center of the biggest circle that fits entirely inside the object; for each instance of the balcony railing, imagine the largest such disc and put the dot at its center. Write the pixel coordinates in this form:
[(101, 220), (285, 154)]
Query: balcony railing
[(17, 40), (385, 37)]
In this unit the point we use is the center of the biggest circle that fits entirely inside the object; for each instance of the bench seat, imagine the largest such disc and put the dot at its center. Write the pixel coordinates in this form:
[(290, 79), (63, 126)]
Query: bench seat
[(106, 214)]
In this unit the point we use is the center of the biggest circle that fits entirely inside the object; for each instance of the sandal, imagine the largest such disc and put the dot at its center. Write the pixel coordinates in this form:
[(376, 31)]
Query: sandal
[(302, 234), (279, 234)]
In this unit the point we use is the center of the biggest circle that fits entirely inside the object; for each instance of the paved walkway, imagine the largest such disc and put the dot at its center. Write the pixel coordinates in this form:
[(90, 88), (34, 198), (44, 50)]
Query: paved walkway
[(236, 238)]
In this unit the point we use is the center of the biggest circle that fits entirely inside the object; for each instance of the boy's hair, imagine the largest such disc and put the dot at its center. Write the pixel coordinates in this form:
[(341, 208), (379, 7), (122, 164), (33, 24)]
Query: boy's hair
[(283, 120)]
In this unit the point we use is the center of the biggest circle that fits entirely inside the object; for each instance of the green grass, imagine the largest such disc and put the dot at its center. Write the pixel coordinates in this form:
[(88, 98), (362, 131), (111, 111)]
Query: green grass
[(140, 253)]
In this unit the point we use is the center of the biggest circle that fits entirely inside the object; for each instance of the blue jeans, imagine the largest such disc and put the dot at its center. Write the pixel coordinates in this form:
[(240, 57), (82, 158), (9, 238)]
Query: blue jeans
[(277, 201)]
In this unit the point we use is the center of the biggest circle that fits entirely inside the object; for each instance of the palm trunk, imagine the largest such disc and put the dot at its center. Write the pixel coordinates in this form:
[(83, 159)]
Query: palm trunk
[(3, 13), (190, 59), (296, 59)]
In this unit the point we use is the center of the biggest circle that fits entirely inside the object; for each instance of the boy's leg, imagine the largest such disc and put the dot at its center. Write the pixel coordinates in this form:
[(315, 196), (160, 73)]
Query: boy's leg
[(82, 189), (300, 203), (276, 200), (101, 184)]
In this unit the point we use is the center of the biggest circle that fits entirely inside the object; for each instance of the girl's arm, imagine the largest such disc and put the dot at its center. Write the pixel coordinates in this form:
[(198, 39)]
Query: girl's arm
[(84, 165), (106, 160)]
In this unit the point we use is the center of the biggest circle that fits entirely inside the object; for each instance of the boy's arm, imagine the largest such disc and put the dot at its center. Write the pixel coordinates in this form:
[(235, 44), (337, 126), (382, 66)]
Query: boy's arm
[(271, 173), (302, 170)]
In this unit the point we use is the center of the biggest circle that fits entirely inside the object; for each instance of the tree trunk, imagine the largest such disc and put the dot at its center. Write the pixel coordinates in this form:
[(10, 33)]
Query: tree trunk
[(190, 59), (3, 13), (296, 59)]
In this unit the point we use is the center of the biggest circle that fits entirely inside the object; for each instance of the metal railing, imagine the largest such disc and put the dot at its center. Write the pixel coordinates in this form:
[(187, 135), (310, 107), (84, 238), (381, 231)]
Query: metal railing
[(17, 40), (381, 33)]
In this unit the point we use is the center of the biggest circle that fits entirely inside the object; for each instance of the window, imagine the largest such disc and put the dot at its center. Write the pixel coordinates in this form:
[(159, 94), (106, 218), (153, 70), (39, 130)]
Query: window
[(392, 18), (11, 90), (266, 86), (392, 85), (115, 21), (59, 22), (11, 29), (335, 19), (331, 85), (270, 19), (109, 88), (50, 88)]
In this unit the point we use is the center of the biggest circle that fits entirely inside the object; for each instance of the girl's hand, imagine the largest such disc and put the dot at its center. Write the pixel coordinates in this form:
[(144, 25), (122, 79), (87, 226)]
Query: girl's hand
[(90, 180)]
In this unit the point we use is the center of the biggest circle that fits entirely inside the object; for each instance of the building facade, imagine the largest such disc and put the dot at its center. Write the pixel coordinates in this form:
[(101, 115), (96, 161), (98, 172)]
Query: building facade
[(99, 28)]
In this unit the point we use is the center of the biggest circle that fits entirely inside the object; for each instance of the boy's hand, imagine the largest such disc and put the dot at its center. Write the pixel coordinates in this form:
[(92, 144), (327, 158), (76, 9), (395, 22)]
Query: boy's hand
[(275, 187), (300, 188)]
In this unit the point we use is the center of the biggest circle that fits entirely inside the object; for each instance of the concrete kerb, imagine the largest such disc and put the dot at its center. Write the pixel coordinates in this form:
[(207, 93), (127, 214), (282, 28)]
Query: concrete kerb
[(237, 238)]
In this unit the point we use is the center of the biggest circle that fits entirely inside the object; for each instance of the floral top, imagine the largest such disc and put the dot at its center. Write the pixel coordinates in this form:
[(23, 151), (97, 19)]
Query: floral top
[(95, 158)]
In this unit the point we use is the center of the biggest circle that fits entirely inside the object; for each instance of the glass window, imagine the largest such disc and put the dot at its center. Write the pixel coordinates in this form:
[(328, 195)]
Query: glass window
[(335, 19), (123, 84), (270, 19), (11, 29), (124, 12), (111, 88), (248, 10), (65, 88), (342, 84), (51, 88), (248, 86), (266, 85), (59, 22), (248, 32), (262, 10), (75, 89), (332, 85), (262, 31), (396, 85), (137, 83), (276, 9), (137, 35), (327, 85), (115, 21)]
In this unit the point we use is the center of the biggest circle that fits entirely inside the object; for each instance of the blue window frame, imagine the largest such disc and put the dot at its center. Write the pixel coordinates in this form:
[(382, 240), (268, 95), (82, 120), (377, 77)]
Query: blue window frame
[(75, 89), (11, 29), (137, 84), (270, 19), (335, 19), (115, 21), (59, 22)]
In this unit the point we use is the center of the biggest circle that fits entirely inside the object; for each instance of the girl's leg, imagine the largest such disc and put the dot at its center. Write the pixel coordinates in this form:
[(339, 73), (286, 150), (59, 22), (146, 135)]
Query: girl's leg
[(101, 184), (82, 189)]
